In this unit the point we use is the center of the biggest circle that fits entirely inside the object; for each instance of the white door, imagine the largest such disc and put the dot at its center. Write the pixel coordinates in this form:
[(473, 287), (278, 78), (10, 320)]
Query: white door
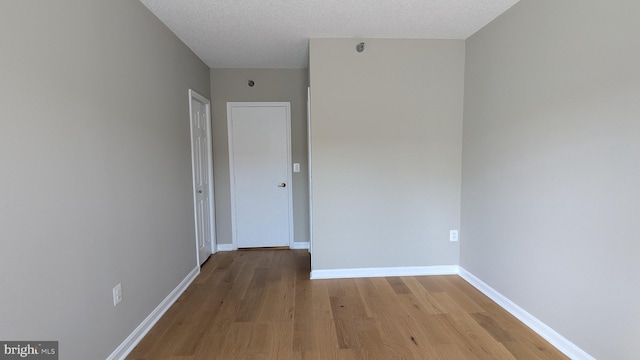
[(259, 159), (200, 109)]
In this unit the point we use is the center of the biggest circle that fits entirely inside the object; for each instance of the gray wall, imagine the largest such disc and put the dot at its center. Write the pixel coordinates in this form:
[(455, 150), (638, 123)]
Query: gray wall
[(95, 182), (386, 145), (271, 85), (550, 198)]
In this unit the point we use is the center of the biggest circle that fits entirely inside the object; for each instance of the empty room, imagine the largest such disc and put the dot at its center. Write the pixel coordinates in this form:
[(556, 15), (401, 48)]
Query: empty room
[(425, 179)]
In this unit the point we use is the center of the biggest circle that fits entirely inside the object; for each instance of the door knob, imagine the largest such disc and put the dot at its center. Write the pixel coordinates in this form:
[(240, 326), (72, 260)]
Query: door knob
[(282, 185)]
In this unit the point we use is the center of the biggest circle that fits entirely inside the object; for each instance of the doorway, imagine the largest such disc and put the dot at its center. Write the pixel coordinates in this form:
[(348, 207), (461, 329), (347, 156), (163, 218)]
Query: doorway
[(202, 170), (260, 174)]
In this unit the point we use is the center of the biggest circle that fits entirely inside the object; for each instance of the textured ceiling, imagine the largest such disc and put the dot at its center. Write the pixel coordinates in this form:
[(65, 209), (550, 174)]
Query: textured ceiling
[(275, 33)]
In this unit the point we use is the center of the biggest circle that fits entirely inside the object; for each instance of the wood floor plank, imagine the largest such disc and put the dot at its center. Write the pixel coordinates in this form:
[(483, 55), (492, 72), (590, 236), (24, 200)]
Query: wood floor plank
[(320, 300), (214, 338), (261, 305), (304, 329), (386, 301), (426, 300), (492, 327), (367, 289), (521, 351), (370, 341), (237, 338), (280, 340), (398, 286), (352, 298), (430, 283), (412, 306), (450, 352), (344, 324), (460, 297), (326, 340), (253, 298), (196, 330), (481, 343), (438, 330)]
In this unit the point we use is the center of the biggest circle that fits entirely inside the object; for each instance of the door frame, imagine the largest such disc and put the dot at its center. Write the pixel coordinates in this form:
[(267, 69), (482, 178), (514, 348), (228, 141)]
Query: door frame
[(310, 174), (289, 190), (193, 95)]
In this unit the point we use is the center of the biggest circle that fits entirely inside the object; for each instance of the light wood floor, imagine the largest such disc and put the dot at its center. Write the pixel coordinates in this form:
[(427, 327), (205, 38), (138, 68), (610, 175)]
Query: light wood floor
[(261, 305)]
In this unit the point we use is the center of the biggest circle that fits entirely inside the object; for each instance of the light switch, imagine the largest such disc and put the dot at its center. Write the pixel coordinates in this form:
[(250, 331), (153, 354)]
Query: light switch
[(296, 167)]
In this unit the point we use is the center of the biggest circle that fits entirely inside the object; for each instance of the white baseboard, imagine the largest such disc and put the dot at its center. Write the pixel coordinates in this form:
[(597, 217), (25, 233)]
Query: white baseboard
[(130, 342), (300, 246), (382, 272), (561, 343), (226, 247)]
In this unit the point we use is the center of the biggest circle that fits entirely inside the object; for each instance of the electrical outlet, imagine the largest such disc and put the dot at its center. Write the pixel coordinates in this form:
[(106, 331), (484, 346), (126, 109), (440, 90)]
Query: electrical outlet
[(453, 235), (117, 294)]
